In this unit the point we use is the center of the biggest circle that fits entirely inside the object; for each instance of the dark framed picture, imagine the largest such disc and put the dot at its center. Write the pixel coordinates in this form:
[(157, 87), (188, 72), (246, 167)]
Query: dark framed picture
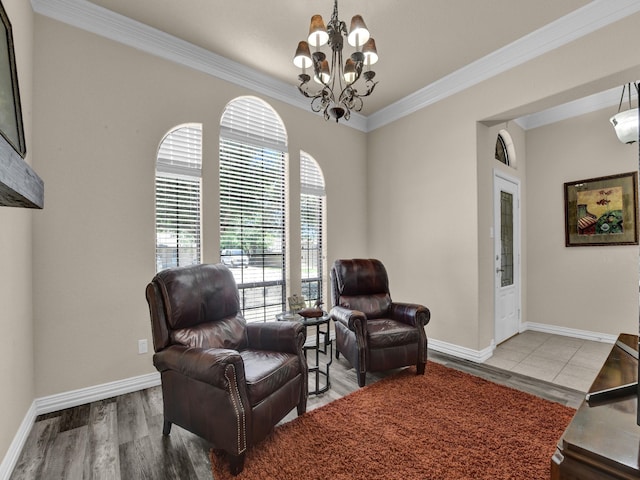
[(602, 211), (11, 126)]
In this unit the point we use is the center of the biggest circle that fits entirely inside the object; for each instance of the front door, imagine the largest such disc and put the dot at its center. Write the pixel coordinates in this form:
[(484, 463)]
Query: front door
[(506, 194)]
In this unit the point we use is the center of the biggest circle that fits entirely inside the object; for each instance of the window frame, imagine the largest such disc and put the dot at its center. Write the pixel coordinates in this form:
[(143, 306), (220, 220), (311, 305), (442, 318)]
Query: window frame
[(312, 190), (178, 198), (252, 186)]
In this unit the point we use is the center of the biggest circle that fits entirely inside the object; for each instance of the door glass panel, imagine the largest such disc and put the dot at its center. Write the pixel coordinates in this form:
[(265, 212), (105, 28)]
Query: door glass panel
[(506, 238)]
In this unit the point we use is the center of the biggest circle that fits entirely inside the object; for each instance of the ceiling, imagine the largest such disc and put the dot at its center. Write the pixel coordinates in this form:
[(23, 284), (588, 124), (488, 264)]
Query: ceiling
[(429, 49), (418, 41)]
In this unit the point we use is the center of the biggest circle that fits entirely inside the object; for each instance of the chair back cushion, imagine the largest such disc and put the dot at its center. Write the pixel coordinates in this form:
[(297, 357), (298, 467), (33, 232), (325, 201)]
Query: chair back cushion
[(225, 333), (202, 307), (361, 284)]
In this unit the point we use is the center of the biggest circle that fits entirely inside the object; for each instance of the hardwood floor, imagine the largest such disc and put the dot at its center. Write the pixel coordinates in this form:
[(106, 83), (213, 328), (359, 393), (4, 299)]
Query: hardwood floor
[(121, 438)]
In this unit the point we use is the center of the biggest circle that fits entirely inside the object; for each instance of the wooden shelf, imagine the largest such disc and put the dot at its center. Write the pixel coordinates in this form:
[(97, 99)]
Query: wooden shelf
[(20, 185)]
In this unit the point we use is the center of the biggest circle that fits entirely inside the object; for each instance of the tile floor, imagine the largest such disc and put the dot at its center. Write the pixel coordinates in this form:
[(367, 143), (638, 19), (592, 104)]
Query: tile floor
[(567, 361)]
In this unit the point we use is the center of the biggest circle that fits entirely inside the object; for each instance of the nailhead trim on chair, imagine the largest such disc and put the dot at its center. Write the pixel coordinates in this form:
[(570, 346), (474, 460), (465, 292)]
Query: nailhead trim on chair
[(235, 400)]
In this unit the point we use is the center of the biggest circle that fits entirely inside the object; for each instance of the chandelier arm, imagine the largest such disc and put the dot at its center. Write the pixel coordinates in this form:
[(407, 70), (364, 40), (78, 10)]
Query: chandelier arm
[(347, 94), (358, 104), (317, 68), (303, 92), (327, 116), (369, 89), (304, 80), (350, 92), (328, 95), (350, 98), (319, 103)]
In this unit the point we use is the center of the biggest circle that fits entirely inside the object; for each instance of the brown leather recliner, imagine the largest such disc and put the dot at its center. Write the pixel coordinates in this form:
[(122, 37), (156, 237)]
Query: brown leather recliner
[(372, 332), (227, 381)]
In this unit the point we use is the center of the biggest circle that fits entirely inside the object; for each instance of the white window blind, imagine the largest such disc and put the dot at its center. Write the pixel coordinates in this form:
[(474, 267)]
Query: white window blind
[(252, 204), (312, 204), (178, 198), (249, 120)]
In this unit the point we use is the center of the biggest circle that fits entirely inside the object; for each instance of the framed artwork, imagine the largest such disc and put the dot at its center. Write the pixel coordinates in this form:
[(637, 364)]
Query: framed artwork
[(296, 303), (602, 211), (11, 126)]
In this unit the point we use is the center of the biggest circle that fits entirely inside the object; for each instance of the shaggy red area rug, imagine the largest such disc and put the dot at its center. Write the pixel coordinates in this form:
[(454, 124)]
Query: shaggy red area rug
[(445, 425)]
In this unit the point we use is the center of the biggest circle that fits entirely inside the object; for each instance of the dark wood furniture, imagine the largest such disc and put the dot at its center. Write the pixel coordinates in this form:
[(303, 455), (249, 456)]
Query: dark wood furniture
[(603, 440)]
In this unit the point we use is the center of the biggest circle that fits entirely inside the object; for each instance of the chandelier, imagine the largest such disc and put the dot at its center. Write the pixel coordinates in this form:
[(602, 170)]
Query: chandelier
[(336, 95), (626, 123)]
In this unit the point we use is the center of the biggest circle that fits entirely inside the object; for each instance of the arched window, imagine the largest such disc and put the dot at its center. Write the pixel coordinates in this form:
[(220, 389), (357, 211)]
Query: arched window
[(505, 152), (178, 175), (253, 149), (312, 214)]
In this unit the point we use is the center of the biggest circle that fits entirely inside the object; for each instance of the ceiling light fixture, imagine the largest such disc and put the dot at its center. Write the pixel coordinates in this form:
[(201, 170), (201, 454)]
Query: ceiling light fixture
[(337, 95), (626, 123)]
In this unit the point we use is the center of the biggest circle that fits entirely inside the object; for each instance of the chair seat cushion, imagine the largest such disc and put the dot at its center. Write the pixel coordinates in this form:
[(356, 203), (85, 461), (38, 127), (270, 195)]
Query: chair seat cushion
[(385, 332), (266, 371)]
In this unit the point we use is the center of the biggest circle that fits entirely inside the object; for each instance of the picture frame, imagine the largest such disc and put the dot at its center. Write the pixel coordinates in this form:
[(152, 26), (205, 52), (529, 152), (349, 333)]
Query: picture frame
[(11, 126), (602, 211), (296, 303)]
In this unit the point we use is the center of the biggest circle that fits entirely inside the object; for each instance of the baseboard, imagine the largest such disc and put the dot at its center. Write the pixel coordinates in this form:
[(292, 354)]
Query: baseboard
[(13, 453), (478, 356), (569, 332), (73, 398)]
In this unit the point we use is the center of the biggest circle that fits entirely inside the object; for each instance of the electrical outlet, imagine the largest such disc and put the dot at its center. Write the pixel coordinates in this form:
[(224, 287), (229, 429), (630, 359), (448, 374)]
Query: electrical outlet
[(142, 346)]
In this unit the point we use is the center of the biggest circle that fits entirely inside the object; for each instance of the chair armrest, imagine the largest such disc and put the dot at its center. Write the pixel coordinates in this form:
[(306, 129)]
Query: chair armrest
[(411, 314), (352, 319), (277, 336), (206, 365)]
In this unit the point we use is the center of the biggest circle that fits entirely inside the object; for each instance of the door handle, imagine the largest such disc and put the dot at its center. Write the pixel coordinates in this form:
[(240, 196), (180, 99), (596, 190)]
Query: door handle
[(499, 270)]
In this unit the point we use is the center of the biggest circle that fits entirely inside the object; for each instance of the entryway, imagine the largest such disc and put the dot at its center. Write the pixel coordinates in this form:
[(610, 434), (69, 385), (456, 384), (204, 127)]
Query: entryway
[(566, 361), (506, 234)]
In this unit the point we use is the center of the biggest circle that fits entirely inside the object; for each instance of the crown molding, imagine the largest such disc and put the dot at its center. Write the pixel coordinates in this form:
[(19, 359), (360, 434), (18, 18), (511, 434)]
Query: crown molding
[(100, 21), (593, 16), (576, 108)]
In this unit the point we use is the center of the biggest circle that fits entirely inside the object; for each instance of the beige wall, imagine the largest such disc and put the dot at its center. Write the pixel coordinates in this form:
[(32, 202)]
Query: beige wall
[(427, 176), (583, 288), (423, 216), (16, 317), (101, 110)]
